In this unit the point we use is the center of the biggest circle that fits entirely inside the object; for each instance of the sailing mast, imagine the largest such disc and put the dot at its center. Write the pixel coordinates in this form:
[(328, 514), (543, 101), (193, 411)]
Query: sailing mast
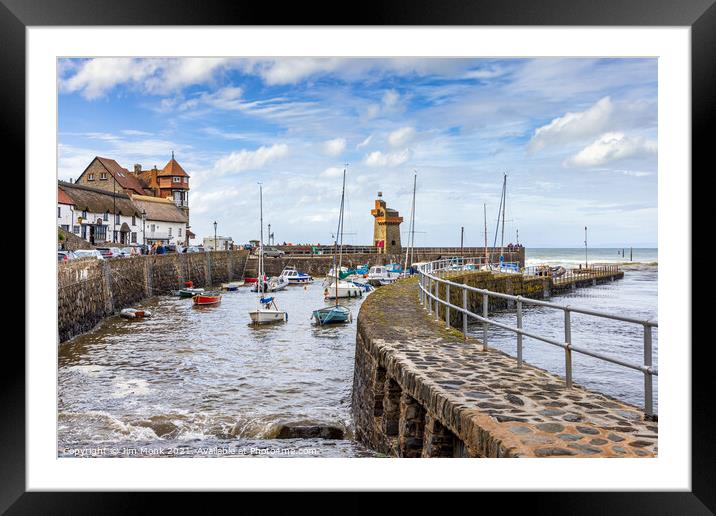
[(504, 204), (411, 236), (484, 209), (261, 242), (340, 232)]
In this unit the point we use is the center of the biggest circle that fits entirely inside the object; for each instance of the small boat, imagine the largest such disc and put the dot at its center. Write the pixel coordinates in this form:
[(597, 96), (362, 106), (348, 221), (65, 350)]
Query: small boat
[(332, 315), (268, 312), (343, 289), (557, 271), (394, 268), (379, 275), (135, 313), (295, 277), (232, 285), (207, 298), (189, 292), (273, 284), (362, 269), (249, 281)]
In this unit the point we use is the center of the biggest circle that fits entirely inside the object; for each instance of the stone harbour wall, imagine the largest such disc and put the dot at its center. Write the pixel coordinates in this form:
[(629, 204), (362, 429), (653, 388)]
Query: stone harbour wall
[(90, 289), (423, 390)]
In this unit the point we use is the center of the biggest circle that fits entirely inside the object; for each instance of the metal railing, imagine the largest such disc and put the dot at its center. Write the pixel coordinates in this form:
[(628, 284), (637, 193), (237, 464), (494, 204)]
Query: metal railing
[(433, 274)]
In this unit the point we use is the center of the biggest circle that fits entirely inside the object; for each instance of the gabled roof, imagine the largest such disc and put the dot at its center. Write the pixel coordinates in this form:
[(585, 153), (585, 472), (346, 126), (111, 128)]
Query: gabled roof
[(159, 209), (172, 168), (96, 200), (121, 175)]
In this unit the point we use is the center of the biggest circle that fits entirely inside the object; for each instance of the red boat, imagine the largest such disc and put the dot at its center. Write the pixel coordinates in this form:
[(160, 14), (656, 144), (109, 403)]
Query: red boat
[(249, 281), (207, 299)]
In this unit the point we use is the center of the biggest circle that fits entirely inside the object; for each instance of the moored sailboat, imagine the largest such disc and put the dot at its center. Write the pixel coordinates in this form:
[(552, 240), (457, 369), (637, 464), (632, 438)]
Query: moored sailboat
[(340, 288), (267, 310)]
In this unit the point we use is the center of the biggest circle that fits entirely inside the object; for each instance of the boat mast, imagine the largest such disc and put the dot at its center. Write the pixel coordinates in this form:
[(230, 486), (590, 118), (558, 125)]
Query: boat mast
[(411, 236), (339, 234), (261, 241), (484, 209), (504, 204)]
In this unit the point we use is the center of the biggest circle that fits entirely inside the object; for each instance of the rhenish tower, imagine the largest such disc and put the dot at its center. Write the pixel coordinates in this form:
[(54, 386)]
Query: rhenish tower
[(386, 230)]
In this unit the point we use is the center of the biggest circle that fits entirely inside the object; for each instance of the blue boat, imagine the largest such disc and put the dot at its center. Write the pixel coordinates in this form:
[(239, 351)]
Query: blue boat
[(362, 269), (332, 314), (394, 267)]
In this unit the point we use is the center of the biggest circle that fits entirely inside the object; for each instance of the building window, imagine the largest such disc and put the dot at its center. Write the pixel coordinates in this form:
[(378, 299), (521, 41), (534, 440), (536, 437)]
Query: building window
[(59, 212), (76, 230), (186, 180), (179, 231), (100, 233), (66, 227), (116, 218), (84, 214), (176, 179), (134, 238), (170, 231), (105, 217), (152, 227), (103, 176), (90, 177), (134, 220)]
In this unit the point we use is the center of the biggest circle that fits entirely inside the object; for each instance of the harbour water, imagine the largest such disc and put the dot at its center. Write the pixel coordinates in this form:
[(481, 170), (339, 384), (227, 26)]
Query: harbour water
[(203, 382), (200, 381), (634, 296)]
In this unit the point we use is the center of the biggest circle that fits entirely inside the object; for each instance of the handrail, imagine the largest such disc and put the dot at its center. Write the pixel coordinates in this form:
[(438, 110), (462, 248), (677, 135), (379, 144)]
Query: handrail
[(429, 279)]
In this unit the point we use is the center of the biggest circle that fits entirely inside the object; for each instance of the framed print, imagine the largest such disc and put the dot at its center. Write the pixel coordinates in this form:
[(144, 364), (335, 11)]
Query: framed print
[(418, 252)]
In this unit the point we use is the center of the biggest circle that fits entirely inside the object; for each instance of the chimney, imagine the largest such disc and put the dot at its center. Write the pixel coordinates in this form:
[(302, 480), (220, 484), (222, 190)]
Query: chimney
[(70, 180), (137, 168), (380, 194)]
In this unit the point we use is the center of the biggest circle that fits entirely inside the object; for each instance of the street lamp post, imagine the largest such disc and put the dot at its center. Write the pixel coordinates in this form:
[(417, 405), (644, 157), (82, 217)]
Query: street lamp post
[(586, 262), (215, 248)]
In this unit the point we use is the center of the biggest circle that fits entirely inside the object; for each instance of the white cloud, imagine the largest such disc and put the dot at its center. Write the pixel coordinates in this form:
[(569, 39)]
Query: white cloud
[(250, 160), (389, 159), (484, 73), (334, 147), (365, 142), (612, 147), (401, 137), (390, 99), (574, 126), (93, 78)]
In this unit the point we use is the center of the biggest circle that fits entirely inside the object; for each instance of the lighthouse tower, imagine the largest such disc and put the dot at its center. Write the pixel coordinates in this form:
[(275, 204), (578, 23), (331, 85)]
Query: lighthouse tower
[(386, 230)]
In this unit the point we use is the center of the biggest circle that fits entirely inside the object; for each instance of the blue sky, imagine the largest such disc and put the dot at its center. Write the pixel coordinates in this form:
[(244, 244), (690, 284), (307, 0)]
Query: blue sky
[(577, 138)]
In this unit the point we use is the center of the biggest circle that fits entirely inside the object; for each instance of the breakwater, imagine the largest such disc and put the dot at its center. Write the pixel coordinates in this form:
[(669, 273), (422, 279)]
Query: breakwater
[(89, 290), (422, 390)]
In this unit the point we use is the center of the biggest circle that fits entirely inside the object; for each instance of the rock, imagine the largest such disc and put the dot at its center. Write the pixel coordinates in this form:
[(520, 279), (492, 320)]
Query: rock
[(587, 430), (309, 431), (552, 428)]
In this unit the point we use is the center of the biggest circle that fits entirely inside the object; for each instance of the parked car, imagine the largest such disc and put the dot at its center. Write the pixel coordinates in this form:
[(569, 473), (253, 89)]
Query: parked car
[(194, 249), (65, 256), (273, 252), (84, 253), (110, 252)]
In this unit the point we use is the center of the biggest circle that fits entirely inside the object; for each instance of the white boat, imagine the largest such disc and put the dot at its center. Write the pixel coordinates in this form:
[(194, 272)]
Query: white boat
[(267, 311), (232, 285), (343, 289), (273, 284), (378, 274), (134, 313), (295, 277)]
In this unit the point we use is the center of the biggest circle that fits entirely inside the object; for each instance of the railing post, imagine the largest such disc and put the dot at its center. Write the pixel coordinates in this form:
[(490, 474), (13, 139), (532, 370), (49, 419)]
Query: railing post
[(447, 308), (568, 349), (464, 314), (648, 387), (428, 299), (437, 300), (485, 304), (519, 335)]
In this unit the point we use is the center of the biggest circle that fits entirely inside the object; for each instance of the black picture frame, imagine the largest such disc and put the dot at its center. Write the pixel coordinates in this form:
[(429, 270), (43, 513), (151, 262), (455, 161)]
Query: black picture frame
[(700, 15)]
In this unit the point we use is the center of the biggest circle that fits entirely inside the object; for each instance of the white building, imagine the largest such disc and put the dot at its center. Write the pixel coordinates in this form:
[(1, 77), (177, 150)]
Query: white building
[(164, 222), (220, 242), (98, 216)]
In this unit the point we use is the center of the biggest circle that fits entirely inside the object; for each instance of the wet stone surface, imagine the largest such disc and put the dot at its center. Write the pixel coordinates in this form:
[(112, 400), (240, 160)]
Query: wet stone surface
[(492, 406)]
